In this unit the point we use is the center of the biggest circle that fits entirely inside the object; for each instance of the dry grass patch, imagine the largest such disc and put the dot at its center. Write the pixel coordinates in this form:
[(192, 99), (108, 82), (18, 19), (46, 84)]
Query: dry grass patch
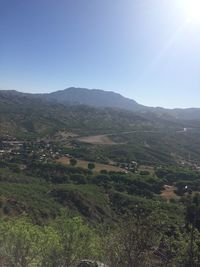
[(168, 192), (84, 164), (97, 140)]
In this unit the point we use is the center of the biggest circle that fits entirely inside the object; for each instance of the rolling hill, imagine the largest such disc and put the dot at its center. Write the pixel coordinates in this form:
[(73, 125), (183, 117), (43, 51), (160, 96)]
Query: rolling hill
[(26, 115), (84, 112), (101, 98)]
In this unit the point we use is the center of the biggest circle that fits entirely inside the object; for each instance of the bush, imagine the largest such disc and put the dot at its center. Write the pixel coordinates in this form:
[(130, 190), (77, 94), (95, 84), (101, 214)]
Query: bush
[(63, 243), (73, 162), (144, 173), (78, 178), (91, 166)]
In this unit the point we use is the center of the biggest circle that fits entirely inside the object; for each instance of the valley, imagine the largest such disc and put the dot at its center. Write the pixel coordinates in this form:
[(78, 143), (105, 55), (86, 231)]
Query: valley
[(99, 133), (99, 170)]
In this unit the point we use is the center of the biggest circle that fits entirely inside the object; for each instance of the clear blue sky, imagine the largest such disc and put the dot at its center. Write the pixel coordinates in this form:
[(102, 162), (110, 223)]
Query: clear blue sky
[(143, 49)]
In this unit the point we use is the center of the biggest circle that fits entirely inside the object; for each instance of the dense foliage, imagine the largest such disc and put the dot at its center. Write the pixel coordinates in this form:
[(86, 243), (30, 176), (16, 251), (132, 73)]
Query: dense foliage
[(56, 215)]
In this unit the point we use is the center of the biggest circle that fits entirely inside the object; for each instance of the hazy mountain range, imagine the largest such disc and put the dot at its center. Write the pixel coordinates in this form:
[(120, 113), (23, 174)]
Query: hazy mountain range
[(84, 111), (99, 99)]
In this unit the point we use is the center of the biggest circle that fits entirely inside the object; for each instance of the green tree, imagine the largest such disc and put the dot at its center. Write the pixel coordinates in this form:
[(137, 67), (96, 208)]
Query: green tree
[(130, 244), (193, 223), (91, 166), (19, 243), (63, 243), (73, 162), (72, 240)]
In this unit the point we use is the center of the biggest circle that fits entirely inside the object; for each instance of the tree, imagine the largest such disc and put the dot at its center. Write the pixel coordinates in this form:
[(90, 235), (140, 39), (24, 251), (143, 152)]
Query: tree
[(63, 243), (131, 243), (91, 166), (69, 240), (73, 162), (19, 243), (193, 223), (104, 172), (78, 178), (101, 179)]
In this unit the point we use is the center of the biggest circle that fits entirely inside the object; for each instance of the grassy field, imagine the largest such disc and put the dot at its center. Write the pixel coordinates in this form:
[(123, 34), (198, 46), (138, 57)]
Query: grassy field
[(98, 166)]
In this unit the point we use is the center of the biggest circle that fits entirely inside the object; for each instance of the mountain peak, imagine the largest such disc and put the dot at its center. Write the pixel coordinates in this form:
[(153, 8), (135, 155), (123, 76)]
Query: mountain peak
[(93, 97)]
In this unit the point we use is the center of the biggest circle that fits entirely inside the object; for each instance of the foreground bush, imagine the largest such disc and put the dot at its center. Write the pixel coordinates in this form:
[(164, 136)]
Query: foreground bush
[(62, 244), (142, 240)]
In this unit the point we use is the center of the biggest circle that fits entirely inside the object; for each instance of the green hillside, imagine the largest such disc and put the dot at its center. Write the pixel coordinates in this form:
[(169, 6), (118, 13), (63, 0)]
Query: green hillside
[(143, 199)]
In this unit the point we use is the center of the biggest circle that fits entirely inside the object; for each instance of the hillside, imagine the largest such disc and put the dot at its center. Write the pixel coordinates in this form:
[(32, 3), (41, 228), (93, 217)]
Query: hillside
[(147, 137), (50, 207), (78, 179), (99, 99), (32, 115)]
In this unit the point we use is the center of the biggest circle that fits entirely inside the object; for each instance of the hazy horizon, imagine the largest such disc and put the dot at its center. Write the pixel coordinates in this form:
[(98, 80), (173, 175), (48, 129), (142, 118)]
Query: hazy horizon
[(145, 50)]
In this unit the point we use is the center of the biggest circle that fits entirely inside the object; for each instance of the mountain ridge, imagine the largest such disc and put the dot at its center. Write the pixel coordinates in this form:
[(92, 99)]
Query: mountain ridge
[(93, 97), (23, 114), (75, 93), (101, 99)]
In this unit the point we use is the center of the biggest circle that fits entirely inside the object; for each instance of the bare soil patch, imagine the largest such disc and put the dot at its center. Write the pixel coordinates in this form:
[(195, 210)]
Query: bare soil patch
[(97, 140), (168, 192)]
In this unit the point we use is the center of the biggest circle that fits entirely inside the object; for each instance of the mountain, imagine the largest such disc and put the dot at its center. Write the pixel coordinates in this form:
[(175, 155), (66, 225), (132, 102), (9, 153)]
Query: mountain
[(28, 115), (93, 97), (77, 110), (99, 99), (78, 96), (84, 110)]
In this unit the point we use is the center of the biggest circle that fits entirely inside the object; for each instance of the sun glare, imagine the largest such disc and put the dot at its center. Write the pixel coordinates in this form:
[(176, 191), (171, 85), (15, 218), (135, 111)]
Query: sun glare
[(192, 10)]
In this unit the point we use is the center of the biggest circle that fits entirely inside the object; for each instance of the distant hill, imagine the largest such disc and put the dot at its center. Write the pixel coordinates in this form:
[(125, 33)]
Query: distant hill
[(79, 96), (27, 115), (34, 115), (101, 98), (84, 110), (151, 134), (93, 97)]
